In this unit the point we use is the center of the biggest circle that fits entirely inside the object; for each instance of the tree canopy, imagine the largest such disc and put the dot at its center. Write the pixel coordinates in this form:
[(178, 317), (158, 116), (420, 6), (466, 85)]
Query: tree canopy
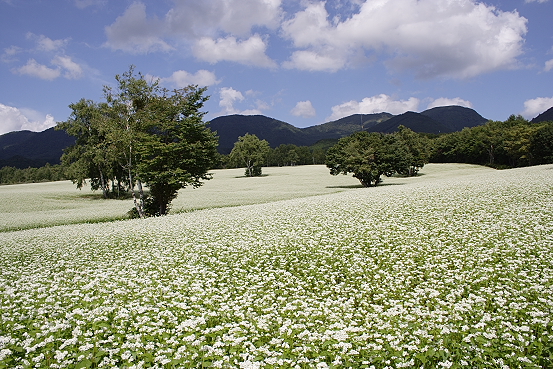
[(370, 155), (141, 134), (251, 152)]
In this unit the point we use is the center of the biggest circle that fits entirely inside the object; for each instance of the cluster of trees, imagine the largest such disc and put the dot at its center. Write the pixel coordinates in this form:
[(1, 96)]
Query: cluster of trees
[(513, 143), (253, 154), (141, 135), (370, 155), (47, 173)]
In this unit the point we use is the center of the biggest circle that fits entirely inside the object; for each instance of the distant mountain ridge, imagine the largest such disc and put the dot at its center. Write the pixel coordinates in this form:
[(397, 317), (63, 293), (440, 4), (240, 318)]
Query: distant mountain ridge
[(545, 116), (24, 148), (437, 120)]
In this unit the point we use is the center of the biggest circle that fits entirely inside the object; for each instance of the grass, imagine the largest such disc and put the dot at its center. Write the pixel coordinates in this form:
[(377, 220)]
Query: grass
[(452, 269)]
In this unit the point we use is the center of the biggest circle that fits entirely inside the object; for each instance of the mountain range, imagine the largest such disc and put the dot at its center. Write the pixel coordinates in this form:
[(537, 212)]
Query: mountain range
[(24, 149)]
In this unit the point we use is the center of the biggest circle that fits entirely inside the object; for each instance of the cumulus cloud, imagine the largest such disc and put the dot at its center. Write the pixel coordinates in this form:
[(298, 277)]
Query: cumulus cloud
[(304, 109), (212, 27), (548, 65), (229, 97), (47, 44), (375, 104), (534, 107), (444, 101), (34, 69), (250, 51), (71, 69), (9, 54), (181, 78), (14, 119), (432, 38), (64, 65), (135, 33), (235, 17)]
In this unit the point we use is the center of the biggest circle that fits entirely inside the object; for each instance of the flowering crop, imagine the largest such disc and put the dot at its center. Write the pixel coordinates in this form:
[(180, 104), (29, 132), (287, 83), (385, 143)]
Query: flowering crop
[(438, 271)]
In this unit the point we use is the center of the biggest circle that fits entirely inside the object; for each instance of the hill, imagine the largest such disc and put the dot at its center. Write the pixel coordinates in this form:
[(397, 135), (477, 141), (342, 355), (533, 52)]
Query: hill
[(454, 117), (345, 126), (545, 116), (230, 127), (414, 121), (22, 149)]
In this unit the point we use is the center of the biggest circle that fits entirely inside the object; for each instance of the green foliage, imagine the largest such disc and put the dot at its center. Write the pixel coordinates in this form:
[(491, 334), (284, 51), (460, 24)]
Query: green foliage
[(142, 134), (370, 155), (47, 173), (250, 152), (515, 142)]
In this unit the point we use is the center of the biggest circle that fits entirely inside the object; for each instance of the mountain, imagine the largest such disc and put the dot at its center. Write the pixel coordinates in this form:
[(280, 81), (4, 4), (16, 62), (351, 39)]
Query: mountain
[(230, 127), (22, 149), (442, 119), (345, 126), (414, 121), (545, 116), (455, 117)]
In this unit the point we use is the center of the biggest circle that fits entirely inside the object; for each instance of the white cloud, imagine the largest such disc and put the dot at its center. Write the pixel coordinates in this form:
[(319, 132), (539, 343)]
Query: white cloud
[(444, 101), (133, 32), (250, 51), (536, 1), (47, 44), (9, 54), (72, 69), (432, 38), (375, 104), (181, 78), (548, 65), (304, 109), (65, 64), (313, 61), (14, 119), (534, 107), (229, 97), (236, 17), (34, 69), (210, 26)]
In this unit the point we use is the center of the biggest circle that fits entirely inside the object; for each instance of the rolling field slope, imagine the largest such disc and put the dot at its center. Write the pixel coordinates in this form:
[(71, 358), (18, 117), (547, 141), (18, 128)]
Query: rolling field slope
[(451, 269)]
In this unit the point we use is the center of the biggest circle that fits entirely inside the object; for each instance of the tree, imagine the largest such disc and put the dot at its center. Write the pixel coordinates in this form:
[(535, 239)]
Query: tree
[(368, 156), (418, 150), (91, 156), (155, 136), (251, 152)]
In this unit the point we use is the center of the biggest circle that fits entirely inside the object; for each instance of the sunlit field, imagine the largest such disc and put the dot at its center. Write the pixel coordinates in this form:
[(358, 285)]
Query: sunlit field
[(56, 203), (451, 269)]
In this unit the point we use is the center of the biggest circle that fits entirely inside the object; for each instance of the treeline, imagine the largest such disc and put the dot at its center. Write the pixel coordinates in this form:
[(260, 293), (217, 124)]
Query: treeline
[(512, 143), (515, 142), (287, 155), (47, 173)]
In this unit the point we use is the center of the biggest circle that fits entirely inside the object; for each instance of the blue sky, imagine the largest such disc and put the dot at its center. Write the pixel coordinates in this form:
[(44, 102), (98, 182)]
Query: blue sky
[(305, 62)]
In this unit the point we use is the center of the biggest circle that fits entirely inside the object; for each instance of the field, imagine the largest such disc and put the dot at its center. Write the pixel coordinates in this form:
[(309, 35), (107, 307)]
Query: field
[(297, 269)]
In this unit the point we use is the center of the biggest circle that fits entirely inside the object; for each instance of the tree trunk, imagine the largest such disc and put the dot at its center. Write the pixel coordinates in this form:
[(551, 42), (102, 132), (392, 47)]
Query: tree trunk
[(103, 183)]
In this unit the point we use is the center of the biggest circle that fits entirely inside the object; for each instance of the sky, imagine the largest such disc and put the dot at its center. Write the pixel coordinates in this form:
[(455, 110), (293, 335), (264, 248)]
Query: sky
[(304, 62)]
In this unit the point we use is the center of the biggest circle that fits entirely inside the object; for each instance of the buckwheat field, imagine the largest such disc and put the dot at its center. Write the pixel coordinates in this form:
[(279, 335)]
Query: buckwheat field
[(450, 269)]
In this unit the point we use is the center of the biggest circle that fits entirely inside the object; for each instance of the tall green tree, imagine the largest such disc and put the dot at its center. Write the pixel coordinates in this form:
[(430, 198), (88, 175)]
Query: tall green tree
[(156, 136), (368, 156), (91, 157), (417, 147), (251, 152)]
